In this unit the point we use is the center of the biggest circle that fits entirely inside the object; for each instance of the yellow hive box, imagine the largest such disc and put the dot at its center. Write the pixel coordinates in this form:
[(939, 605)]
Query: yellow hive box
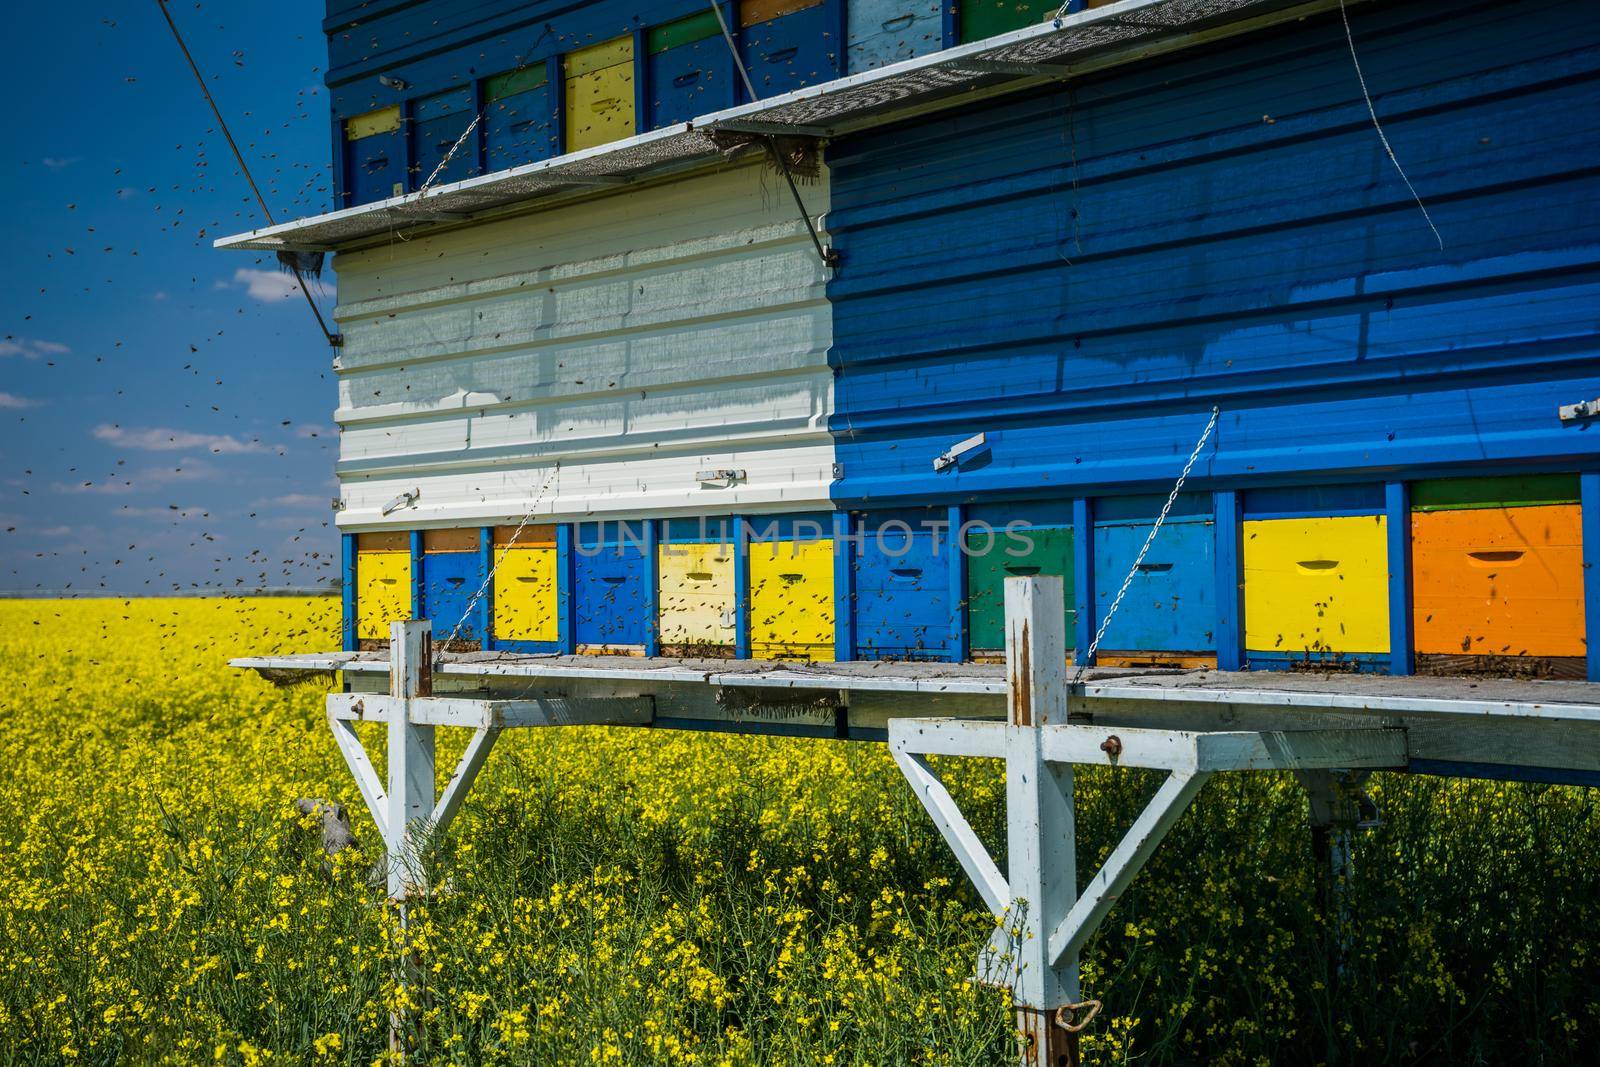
[(599, 94), (696, 595), (1317, 584), (791, 600), (383, 583)]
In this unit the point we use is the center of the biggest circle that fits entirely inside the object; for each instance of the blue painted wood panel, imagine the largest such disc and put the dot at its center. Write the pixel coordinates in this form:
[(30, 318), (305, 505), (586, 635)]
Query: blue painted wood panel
[(689, 80), (375, 167), (520, 128), (902, 567), (458, 46), (449, 580), (881, 32), (1083, 273), (439, 121), (612, 582), (1171, 603), (794, 50)]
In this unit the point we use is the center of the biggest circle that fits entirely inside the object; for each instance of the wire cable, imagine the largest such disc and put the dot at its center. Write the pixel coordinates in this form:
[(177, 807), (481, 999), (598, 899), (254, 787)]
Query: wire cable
[(1366, 95), (829, 256), (222, 123)]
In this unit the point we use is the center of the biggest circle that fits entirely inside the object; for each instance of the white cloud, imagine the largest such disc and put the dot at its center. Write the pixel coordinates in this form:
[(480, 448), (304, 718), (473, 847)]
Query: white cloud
[(185, 470), (294, 500), (59, 162), (166, 439), (171, 512), (266, 284), (13, 402), (107, 488), (31, 348)]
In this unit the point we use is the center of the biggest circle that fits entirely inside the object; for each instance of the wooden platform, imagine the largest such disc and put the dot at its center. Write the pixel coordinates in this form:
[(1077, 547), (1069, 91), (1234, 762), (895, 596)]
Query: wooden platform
[(1499, 728)]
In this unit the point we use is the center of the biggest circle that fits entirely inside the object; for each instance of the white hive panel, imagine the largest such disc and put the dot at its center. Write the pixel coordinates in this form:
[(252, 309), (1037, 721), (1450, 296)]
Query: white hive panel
[(633, 340)]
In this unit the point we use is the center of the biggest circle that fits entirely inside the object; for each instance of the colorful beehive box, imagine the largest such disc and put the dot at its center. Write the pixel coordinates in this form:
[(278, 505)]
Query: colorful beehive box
[(518, 118), (881, 32), (1316, 578), (374, 156), (1168, 615), (902, 602), (789, 43), (791, 561), (439, 121), (452, 574), (383, 583), (611, 588), (1497, 575), (989, 18), (599, 94), (689, 70), (1013, 540), (695, 599), (527, 600)]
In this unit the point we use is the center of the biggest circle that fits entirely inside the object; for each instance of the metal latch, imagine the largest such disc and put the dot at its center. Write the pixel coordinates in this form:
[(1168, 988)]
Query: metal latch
[(952, 457), (1583, 409), (719, 477), (404, 500)]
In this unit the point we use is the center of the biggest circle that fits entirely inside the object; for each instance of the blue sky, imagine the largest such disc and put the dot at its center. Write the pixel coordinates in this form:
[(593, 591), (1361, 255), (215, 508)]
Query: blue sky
[(164, 407)]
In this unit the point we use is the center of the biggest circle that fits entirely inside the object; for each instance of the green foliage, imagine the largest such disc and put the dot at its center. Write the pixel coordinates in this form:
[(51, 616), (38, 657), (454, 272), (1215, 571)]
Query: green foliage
[(641, 896)]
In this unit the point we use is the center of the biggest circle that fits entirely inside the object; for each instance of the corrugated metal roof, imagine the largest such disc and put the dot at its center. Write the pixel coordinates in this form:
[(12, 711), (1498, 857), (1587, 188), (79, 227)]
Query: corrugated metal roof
[(1117, 32)]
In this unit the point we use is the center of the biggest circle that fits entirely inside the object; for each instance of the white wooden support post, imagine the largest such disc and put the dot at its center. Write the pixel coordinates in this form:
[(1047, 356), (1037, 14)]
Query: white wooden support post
[(1040, 824), (410, 797)]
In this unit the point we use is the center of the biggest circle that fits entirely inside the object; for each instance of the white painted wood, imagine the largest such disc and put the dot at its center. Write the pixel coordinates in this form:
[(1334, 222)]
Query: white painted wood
[(592, 358), (1170, 750), (477, 713), (361, 769), (410, 794), (1300, 749), (1041, 869), (1041, 822), (957, 832), (466, 772), (948, 737), (1036, 642), (1498, 722), (1125, 862)]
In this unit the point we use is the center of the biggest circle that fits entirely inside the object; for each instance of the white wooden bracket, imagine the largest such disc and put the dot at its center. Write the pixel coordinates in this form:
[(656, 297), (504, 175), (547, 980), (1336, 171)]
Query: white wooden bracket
[(408, 811), (1043, 920)]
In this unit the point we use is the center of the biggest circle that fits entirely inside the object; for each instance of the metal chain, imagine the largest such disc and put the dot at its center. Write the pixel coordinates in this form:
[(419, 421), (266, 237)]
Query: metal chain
[(448, 156), (495, 566), (1148, 541)]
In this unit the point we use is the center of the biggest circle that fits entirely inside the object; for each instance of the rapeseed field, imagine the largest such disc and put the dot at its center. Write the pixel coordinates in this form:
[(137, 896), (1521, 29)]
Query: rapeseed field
[(637, 896)]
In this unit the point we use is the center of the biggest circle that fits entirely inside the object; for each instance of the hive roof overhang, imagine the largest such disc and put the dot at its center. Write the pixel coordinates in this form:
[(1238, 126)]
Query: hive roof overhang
[(1115, 34)]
